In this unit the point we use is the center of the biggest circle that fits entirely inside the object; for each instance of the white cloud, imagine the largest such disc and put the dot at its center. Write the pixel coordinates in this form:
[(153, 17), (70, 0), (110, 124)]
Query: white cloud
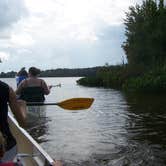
[(72, 20), (4, 56), (11, 11), (56, 32), (21, 40)]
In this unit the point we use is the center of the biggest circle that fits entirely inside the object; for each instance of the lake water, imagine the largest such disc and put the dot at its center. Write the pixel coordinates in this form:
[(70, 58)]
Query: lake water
[(119, 129)]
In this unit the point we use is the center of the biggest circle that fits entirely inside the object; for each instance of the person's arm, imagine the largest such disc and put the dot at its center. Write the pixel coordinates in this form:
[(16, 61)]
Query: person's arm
[(46, 88), (18, 108)]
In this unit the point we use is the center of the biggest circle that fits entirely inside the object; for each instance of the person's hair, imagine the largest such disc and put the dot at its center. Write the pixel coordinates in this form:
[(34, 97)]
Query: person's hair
[(34, 71), (22, 72)]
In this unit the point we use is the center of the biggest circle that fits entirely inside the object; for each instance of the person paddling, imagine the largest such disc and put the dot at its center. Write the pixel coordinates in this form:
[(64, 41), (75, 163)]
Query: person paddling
[(18, 108), (33, 88)]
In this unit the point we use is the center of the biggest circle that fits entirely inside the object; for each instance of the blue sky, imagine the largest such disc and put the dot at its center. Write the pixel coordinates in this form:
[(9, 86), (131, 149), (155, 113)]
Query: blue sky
[(54, 34)]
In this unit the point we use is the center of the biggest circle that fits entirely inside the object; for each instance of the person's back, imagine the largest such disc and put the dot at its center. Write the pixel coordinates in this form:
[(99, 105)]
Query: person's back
[(33, 89)]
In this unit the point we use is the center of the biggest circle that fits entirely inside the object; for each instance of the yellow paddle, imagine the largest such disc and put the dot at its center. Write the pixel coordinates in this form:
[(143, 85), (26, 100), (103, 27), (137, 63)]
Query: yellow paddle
[(69, 104)]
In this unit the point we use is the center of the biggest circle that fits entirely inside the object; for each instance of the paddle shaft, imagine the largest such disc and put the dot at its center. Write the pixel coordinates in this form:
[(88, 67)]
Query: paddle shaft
[(69, 104), (40, 103)]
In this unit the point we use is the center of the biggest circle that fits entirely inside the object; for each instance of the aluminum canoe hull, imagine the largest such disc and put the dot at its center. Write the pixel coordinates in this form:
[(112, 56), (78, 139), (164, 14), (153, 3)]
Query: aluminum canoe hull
[(29, 151)]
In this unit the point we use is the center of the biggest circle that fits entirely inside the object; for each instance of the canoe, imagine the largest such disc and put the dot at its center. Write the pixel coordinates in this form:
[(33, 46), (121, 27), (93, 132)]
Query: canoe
[(29, 151)]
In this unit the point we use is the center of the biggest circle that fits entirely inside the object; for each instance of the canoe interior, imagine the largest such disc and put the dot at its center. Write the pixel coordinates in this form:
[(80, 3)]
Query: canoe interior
[(31, 152)]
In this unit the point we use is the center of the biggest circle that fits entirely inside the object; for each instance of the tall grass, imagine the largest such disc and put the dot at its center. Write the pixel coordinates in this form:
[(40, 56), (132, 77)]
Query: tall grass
[(132, 78)]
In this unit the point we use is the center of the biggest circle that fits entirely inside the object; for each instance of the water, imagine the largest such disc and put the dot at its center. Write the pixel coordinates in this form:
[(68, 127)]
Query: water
[(119, 129)]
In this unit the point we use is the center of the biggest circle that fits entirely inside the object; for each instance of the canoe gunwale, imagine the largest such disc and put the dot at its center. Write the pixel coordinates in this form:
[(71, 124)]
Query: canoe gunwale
[(38, 150)]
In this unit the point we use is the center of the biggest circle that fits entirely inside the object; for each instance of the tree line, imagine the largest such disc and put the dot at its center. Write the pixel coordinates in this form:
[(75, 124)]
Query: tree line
[(146, 35), (145, 31), (64, 72)]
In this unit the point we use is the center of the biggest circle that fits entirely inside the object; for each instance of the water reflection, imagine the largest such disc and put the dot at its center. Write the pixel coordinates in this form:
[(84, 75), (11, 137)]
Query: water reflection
[(93, 136), (147, 117), (146, 127), (127, 129), (120, 129), (37, 122)]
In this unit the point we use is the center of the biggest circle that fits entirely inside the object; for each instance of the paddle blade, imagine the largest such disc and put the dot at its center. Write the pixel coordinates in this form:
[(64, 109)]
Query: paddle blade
[(76, 103)]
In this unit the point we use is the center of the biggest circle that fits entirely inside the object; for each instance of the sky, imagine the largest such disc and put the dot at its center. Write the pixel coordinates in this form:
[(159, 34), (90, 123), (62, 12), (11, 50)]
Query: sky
[(51, 34)]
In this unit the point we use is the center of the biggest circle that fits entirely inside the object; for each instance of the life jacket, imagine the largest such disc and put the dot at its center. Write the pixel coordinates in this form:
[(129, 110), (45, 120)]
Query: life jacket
[(19, 79), (4, 126), (32, 94)]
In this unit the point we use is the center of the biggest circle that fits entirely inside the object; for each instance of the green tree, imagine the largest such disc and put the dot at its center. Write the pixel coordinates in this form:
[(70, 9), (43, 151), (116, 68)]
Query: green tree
[(145, 34)]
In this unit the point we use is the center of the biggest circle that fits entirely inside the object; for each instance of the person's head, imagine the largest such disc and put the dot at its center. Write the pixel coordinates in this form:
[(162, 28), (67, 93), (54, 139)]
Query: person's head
[(33, 71), (22, 72)]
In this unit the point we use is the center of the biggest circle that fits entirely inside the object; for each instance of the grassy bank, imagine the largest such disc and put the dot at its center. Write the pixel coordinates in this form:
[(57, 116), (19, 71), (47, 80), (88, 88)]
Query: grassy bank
[(137, 78)]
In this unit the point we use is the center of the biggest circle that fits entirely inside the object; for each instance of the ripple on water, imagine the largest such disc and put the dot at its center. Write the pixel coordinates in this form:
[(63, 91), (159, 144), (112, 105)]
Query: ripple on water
[(119, 129)]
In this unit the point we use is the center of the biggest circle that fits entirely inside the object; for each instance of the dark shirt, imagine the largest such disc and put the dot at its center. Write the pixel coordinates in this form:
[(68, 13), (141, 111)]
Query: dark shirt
[(4, 126), (32, 94)]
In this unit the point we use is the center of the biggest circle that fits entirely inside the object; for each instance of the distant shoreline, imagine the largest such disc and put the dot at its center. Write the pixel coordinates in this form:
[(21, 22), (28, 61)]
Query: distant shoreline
[(64, 72)]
